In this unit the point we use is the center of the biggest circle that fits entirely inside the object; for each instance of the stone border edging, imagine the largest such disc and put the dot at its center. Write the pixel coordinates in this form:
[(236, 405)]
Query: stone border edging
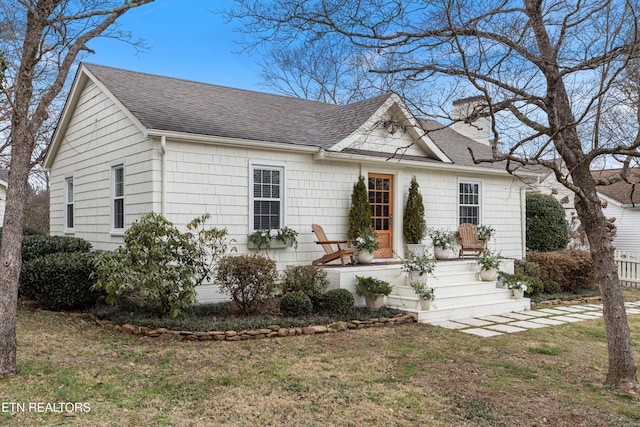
[(270, 332)]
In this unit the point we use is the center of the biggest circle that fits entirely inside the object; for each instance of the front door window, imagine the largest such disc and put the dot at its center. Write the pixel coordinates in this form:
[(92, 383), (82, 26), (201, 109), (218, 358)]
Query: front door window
[(381, 200)]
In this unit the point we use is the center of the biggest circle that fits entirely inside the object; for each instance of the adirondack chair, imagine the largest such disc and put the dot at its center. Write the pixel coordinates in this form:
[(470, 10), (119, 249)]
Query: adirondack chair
[(333, 249), (468, 239)]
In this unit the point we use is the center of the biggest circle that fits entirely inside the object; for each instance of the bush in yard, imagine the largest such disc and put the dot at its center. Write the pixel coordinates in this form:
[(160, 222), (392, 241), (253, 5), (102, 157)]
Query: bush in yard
[(547, 228), (60, 281), (573, 270), (338, 301), (296, 304), (309, 279), (552, 287), (249, 280), (34, 246), (528, 268), (159, 265)]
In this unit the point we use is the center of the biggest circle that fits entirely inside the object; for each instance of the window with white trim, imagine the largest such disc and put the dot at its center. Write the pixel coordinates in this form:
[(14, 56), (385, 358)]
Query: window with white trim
[(469, 202), (68, 202), (267, 197), (117, 197)]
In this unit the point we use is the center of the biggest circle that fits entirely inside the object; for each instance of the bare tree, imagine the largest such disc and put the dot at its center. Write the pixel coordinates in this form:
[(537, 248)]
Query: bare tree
[(41, 40), (546, 70)]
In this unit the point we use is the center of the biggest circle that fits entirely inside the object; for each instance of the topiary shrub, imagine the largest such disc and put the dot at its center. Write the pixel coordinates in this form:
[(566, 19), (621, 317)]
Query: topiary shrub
[(296, 304), (309, 279), (60, 281), (360, 212), (34, 246), (414, 224), (338, 301), (572, 270), (249, 280), (547, 228)]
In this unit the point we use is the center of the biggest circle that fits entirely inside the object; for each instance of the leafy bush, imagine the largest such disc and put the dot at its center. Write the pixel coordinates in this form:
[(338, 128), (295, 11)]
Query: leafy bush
[(34, 246), (60, 281), (29, 231), (309, 279), (159, 265), (296, 304), (573, 270), (338, 301), (534, 286), (547, 228), (527, 268), (552, 287), (248, 279)]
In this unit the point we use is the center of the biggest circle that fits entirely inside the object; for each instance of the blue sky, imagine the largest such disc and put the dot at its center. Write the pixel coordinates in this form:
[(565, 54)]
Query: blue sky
[(187, 40)]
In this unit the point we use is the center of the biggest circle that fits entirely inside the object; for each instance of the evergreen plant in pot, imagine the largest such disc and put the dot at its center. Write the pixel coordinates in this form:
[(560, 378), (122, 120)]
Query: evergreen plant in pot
[(360, 211), (373, 290), (414, 224)]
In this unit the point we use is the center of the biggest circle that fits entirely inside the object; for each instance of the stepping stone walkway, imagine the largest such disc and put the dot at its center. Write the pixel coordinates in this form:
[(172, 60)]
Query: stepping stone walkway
[(510, 323)]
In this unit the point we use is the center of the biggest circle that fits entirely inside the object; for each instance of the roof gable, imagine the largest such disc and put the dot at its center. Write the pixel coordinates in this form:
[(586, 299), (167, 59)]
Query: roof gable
[(621, 192)]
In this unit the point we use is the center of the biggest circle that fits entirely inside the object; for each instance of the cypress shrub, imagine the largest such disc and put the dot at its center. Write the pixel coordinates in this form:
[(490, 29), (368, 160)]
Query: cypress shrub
[(415, 226), (360, 212), (547, 228)]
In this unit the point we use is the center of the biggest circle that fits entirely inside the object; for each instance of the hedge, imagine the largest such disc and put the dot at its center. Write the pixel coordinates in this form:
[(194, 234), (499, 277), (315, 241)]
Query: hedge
[(573, 270)]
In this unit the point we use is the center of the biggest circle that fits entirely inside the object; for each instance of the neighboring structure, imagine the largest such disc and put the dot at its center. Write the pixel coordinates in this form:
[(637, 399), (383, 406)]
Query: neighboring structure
[(129, 143), (548, 184), (622, 202)]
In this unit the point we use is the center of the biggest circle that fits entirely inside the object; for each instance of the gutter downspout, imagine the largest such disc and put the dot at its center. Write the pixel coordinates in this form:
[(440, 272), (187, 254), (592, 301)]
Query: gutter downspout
[(163, 185)]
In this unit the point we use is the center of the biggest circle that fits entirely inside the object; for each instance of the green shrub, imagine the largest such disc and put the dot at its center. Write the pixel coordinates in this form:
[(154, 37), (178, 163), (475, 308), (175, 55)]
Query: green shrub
[(248, 279), (534, 286), (360, 212), (371, 286), (528, 268), (160, 266), (309, 279), (547, 228), (414, 224), (34, 246), (29, 231), (60, 281), (338, 301), (552, 287), (573, 270), (296, 304)]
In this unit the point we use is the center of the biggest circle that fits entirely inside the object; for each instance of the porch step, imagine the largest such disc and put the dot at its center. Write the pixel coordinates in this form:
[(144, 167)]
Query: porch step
[(483, 298), (460, 312), (449, 289)]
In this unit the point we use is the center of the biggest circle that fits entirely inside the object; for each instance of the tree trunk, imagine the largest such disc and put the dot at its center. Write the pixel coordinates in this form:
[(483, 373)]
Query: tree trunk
[(622, 368)]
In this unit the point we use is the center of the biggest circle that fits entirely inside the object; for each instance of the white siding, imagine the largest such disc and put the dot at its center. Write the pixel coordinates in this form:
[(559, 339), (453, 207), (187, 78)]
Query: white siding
[(3, 201), (627, 219), (98, 134)]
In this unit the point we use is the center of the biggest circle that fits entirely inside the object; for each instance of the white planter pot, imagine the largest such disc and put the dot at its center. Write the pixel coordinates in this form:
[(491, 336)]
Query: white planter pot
[(425, 304), (489, 275), (415, 278), (518, 293), (374, 303), (442, 254), (364, 257)]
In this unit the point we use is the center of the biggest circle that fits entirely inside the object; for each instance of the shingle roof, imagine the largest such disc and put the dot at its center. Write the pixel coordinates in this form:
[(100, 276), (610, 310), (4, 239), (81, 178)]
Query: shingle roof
[(622, 191), (170, 104)]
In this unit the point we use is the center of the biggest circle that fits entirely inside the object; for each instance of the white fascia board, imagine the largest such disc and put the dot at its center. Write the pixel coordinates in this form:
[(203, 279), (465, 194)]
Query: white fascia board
[(234, 142), (82, 77), (423, 141)]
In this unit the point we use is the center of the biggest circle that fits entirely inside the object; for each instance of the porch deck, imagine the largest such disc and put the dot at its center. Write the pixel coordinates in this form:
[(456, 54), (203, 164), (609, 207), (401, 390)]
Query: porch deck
[(459, 294)]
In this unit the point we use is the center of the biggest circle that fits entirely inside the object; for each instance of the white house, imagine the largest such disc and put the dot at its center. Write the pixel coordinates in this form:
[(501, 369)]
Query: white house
[(4, 177), (128, 143)]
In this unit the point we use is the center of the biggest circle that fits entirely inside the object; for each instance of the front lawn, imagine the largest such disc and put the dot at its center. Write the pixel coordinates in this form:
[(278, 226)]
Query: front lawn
[(405, 375)]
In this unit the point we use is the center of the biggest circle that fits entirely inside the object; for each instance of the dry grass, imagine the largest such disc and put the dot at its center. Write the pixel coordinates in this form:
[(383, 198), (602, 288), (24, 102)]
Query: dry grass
[(408, 375)]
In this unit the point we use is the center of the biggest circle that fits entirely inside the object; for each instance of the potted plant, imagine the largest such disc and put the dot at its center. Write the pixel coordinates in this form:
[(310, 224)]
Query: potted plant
[(373, 290), (515, 283), (414, 224), (425, 294), (489, 262), (417, 267), (360, 211), (275, 237), (365, 245), (485, 232), (443, 243)]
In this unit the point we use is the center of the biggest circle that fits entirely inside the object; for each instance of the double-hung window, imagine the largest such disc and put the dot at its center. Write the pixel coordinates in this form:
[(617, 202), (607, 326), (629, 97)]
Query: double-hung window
[(469, 202), (267, 197), (68, 196), (117, 197)]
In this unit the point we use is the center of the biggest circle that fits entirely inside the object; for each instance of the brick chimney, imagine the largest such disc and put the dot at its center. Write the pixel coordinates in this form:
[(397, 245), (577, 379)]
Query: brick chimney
[(467, 122)]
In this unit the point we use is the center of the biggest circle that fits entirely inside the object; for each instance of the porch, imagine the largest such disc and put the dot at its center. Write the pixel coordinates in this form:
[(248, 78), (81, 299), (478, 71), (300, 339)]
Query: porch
[(459, 294)]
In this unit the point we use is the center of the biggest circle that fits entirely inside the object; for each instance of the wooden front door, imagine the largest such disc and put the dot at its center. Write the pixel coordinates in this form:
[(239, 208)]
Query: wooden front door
[(381, 200)]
